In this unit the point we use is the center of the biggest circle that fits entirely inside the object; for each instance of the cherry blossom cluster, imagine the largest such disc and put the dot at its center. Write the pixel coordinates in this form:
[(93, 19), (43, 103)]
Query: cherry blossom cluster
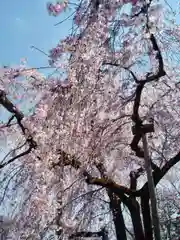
[(65, 46), (57, 8)]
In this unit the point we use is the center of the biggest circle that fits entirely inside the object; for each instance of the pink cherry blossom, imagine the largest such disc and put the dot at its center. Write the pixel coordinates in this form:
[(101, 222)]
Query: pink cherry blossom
[(56, 9), (55, 52)]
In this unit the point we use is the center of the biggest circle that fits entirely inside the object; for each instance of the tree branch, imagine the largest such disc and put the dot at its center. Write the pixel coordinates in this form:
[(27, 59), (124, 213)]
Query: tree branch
[(10, 107), (158, 173), (108, 183)]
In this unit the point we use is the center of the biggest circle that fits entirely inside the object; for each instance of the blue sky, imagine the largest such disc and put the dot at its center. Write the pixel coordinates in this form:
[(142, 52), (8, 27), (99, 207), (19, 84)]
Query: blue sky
[(24, 23)]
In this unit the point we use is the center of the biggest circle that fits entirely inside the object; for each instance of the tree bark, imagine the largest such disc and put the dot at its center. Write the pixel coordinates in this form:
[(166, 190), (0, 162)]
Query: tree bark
[(136, 220), (134, 209), (145, 209), (115, 206)]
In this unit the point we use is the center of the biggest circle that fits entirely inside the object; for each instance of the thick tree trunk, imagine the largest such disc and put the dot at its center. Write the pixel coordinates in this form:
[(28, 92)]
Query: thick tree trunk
[(134, 209), (136, 219), (115, 206), (145, 209)]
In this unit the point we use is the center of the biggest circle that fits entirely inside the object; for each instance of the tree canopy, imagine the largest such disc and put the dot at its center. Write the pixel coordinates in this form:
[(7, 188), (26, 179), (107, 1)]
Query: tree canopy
[(73, 157)]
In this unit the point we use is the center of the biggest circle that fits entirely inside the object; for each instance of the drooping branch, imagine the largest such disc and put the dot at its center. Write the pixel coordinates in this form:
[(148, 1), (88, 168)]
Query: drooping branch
[(10, 107), (32, 145)]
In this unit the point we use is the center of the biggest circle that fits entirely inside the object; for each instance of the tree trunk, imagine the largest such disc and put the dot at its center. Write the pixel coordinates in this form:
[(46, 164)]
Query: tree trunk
[(136, 219), (146, 217), (115, 206), (134, 209)]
